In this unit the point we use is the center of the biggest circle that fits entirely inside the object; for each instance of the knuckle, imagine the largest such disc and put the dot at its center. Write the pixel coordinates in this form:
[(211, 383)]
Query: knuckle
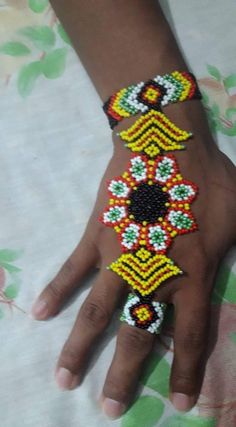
[(54, 290), (134, 340), (185, 381), (67, 269), (194, 339), (57, 287), (116, 390), (192, 342), (69, 355), (204, 262), (94, 314), (98, 231), (66, 274)]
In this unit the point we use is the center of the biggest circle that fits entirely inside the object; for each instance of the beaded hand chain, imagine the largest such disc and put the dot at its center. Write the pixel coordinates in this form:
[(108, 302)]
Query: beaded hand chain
[(150, 203)]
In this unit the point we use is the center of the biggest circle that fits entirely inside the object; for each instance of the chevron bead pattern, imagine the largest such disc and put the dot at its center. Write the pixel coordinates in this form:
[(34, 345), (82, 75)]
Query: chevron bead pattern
[(152, 133), (143, 271)]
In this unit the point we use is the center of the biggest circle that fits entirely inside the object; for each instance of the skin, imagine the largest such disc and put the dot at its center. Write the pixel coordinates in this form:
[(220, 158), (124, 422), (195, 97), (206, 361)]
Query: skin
[(140, 45)]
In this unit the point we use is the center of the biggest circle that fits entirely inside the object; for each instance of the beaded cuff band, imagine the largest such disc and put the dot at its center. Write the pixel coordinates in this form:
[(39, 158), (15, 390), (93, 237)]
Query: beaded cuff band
[(153, 94), (150, 202)]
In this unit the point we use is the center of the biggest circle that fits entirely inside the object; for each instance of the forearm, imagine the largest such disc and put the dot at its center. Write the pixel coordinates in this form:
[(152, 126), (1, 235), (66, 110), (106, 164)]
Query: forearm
[(120, 42), (126, 41)]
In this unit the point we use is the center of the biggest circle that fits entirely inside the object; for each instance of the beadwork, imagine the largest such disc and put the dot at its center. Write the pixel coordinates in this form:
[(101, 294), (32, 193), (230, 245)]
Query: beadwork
[(154, 94), (144, 271), (149, 203), (152, 133), (143, 313)]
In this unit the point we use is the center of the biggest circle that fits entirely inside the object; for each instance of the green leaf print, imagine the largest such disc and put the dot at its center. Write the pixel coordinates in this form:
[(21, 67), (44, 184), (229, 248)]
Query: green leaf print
[(38, 6), (27, 77), (188, 421), (233, 337), (42, 37), (215, 110), (214, 72), (230, 81), (156, 374), (8, 255), (63, 34), (230, 112), (9, 267), (145, 412), (9, 279), (11, 291), (205, 97), (224, 290), (14, 49), (53, 64), (229, 131)]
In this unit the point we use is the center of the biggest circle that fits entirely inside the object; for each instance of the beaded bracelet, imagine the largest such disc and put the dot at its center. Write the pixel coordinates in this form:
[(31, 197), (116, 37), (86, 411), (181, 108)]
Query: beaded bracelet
[(154, 94), (150, 202)]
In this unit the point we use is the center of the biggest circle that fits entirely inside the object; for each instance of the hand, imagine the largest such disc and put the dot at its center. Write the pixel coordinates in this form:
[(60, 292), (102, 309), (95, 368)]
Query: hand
[(198, 254)]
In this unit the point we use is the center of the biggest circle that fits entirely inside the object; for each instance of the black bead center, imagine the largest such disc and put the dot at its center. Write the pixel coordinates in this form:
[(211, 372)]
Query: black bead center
[(147, 203)]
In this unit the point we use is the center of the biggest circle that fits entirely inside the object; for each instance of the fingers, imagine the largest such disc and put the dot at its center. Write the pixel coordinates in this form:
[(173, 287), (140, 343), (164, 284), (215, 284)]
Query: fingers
[(133, 347), (92, 320), (66, 281), (190, 340)]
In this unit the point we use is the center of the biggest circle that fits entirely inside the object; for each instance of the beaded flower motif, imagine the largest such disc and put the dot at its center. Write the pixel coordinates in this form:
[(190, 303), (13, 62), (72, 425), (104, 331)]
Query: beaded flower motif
[(150, 204), (143, 314)]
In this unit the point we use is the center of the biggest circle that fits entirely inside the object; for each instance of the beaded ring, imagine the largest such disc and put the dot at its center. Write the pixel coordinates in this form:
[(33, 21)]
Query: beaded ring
[(150, 202), (144, 314)]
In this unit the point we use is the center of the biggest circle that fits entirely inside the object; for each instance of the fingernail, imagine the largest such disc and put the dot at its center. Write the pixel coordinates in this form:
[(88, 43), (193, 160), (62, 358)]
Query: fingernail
[(40, 309), (112, 408), (182, 402), (65, 379)]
